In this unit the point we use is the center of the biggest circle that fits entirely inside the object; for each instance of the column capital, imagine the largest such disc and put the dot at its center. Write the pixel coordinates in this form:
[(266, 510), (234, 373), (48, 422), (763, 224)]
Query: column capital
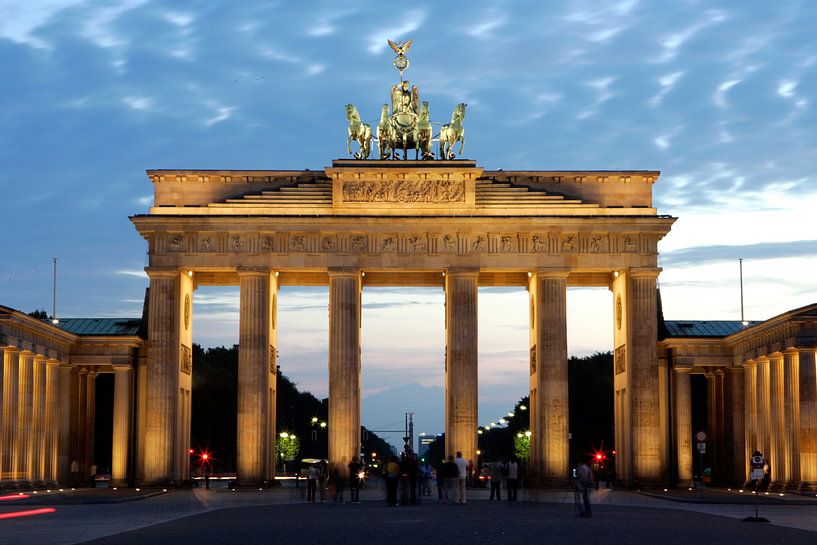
[(52, 362), (10, 348), (807, 350), (552, 273), (734, 369), (682, 365), (750, 363), (162, 272), (253, 271), (644, 272), (120, 367), (462, 271), (762, 359), (338, 272)]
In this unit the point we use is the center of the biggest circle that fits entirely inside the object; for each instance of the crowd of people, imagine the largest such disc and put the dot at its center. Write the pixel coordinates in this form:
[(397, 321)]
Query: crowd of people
[(407, 479)]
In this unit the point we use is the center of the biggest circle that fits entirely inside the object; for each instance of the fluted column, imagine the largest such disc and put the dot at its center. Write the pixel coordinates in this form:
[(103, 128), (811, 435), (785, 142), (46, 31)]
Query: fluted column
[(67, 377), (344, 365), (162, 377), (711, 420), (777, 430), (254, 360), (90, 421), (23, 433), (81, 425), (764, 418), (8, 424), (683, 419), (750, 420), (38, 418), (720, 426), (122, 396), (808, 420), (734, 403), (52, 421), (549, 391), (648, 466), (791, 417)]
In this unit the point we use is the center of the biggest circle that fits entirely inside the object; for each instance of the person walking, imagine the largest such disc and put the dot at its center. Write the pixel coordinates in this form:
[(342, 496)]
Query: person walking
[(392, 477), (495, 471), (584, 481), (511, 478), (311, 483), (355, 469), (462, 475)]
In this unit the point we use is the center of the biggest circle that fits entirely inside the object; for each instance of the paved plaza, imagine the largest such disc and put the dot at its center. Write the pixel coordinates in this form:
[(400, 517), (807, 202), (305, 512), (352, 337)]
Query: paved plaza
[(280, 516)]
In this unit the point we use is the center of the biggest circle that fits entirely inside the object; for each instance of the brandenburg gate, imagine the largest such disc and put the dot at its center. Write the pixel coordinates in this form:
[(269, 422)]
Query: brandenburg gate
[(360, 223), (430, 220)]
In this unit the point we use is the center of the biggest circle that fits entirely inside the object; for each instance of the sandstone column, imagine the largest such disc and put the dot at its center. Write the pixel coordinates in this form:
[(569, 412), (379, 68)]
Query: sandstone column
[(254, 368), (344, 364), (683, 419), (750, 420), (791, 410), (720, 425), (52, 421), (776, 455), (38, 418), (8, 425), (23, 461), (90, 421), (122, 396), (549, 391), (734, 403), (81, 425), (764, 421), (648, 466), (711, 421), (162, 376), (808, 420), (67, 422)]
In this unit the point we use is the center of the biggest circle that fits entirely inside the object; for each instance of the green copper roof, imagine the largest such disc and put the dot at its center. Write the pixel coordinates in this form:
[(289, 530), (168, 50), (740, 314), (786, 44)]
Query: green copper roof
[(704, 328), (101, 326)]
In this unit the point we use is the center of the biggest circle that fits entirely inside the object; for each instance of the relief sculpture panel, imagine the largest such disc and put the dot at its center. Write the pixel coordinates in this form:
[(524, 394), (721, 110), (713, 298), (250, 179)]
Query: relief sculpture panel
[(404, 191)]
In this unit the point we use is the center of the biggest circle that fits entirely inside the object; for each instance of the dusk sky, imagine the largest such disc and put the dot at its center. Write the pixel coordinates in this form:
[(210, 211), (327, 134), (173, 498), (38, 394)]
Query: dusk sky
[(719, 96)]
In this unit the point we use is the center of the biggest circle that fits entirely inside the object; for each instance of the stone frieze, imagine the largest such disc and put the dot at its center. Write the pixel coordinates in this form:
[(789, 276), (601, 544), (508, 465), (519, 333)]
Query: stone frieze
[(404, 191), (428, 243)]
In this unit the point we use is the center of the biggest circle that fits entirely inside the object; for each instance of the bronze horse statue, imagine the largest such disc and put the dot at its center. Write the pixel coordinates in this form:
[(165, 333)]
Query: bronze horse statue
[(453, 132), (358, 131)]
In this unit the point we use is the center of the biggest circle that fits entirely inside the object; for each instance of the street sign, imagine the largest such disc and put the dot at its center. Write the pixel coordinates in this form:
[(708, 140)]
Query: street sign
[(701, 447), (756, 467), (701, 436)]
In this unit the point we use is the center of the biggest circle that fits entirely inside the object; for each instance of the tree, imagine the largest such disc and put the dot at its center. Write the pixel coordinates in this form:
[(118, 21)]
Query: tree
[(521, 447), (39, 313), (287, 447)]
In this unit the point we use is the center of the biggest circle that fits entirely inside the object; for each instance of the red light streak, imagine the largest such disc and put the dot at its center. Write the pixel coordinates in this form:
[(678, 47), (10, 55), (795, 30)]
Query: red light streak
[(15, 497), (28, 513)]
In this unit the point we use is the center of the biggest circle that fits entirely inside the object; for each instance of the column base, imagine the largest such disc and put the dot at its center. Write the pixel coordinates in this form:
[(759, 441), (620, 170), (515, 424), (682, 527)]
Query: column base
[(247, 485), (807, 487)]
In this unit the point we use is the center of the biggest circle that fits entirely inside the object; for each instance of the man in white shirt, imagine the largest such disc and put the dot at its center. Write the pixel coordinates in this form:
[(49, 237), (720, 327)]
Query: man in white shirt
[(462, 474), (511, 477)]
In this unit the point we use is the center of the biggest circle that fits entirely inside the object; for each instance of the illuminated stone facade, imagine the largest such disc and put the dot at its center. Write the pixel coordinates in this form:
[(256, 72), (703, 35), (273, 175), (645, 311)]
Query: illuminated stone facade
[(402, 223), (761, 395)]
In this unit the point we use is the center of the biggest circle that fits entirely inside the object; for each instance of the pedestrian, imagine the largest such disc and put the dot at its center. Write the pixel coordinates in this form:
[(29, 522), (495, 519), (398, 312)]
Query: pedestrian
[(584, 481), (495, 471), (75, 472), (392, 476), (339, 478), (311, 483), (425, 479), (462, 475), (512, 477), (323, 476), (437, 471), (450, 477), (409, 471), (355, 471), (92, 476)]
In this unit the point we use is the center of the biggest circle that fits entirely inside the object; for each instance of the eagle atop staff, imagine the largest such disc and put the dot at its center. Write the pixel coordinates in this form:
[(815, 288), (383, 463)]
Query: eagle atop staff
[(400, 48)]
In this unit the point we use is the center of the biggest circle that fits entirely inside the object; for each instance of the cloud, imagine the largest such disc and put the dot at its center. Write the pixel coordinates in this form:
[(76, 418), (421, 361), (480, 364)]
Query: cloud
[(137, 273), (700, 255), (410, 21), (667, 82), (719, 98)]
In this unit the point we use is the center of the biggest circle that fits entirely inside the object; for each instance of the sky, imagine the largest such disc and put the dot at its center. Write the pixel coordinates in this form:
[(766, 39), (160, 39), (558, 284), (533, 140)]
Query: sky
[(717, 95)]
